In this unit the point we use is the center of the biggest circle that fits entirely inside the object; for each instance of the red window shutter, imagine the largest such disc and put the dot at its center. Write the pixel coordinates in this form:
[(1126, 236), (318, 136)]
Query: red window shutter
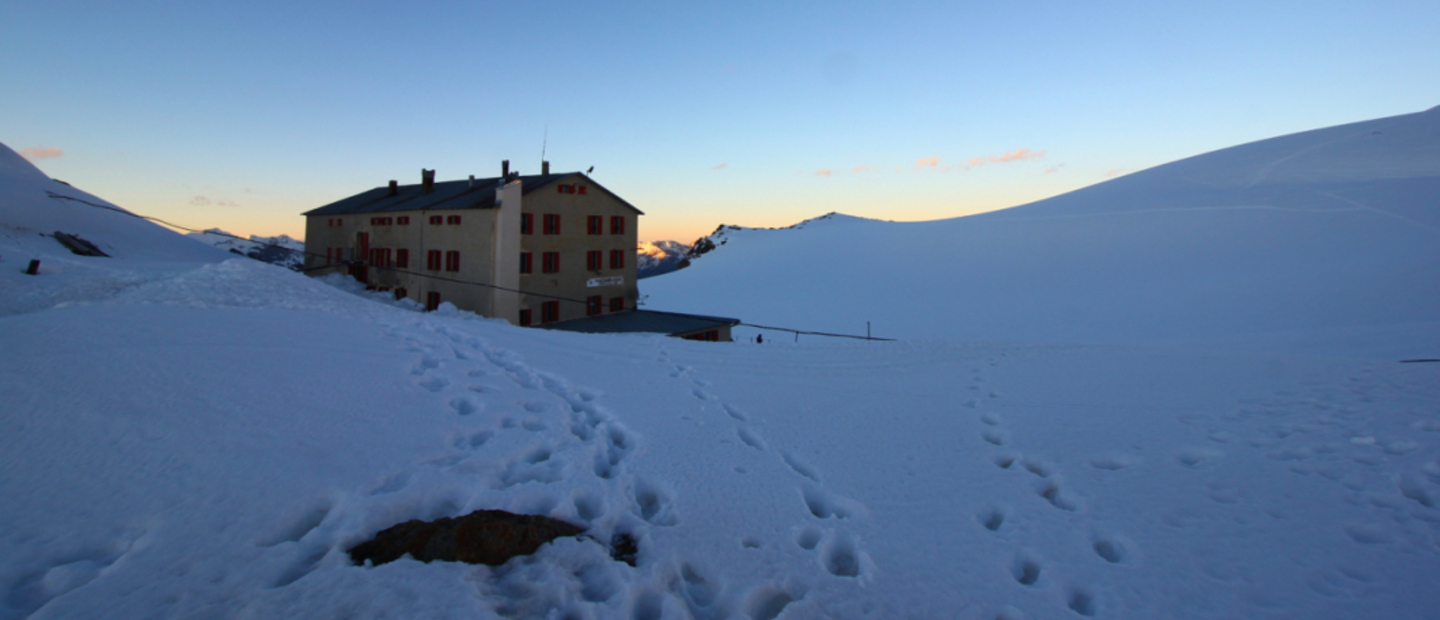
[(592, 305), (525, 317), (432, 260), (617, 304), (617, 259), (550, 312), (452, 261), (435, 219), (617, 224), (559, 189), (432, 300), (402, 258), (592, 260), (525, 266), (527, 223), (400, 293), (582, 189), (594, 225), (552, 262)]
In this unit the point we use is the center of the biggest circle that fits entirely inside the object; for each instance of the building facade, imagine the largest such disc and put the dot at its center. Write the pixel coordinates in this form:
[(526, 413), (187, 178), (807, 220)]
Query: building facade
[(528, 249)]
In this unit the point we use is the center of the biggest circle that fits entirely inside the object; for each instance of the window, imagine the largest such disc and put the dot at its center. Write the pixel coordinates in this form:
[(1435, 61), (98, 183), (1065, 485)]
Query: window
[(432, 300), (402, 258), (594, 225), (362, 240), (550, 312), (617, 259), (592, 305), (525, 317), (380, 257), (435, 219), (382, 221), (328, 258), (526, 265), (552, 224), (552, 262), (432, 260), (567, 189), (400, 293), (527, 223), (709, 336), (452, 261), (453, 219), (617, 304), (403, 221), (617, 224), (592, 260)]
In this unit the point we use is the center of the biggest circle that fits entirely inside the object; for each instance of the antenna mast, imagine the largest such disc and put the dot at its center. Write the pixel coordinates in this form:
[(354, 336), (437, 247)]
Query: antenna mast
[(543, 141)]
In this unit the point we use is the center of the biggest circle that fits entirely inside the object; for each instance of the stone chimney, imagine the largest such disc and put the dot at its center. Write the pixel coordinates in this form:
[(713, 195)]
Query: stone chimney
[(394, 187), (544, 167), (427, 180), (505, 169), (472, 181)]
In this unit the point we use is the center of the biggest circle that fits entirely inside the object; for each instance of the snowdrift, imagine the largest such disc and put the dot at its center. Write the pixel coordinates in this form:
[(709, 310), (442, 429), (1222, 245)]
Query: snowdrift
[(1326, 241)]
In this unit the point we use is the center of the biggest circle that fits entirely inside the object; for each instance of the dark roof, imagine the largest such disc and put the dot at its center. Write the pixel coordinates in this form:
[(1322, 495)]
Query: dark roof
[(642, 321), (446, 195)]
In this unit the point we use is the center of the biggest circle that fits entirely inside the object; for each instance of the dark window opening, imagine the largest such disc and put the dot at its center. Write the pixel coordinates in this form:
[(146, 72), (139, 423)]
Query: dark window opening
[(526, 265), (525, 317), (592, 305), (402, 258), (432, 260), (594, 225), (452, 261), (527, 223), (617, 304), (550, 312), (592, 260), (551, 262), (552, 224), (432, 301), (617, 259), (617, 224)]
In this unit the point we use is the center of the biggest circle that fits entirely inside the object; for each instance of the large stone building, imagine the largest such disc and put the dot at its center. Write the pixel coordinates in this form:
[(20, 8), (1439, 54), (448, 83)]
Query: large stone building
[(529, 249)]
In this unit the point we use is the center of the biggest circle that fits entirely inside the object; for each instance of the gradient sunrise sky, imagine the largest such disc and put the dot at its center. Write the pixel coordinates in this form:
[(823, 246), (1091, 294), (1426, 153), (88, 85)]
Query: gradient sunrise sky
[(241, 115)]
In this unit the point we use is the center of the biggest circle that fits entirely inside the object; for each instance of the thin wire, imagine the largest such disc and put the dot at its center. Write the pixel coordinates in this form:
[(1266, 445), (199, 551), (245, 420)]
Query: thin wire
[(797, 331)]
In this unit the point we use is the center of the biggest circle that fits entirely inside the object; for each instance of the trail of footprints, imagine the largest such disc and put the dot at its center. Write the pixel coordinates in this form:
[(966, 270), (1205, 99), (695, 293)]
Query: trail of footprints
[(840, 553), (1029, 569)]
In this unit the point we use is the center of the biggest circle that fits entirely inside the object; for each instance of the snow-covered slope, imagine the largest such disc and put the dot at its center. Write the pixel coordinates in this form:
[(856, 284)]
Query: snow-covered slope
[(35, 207), (153, 468), (280, 250), (659, 258), (1323, 241)]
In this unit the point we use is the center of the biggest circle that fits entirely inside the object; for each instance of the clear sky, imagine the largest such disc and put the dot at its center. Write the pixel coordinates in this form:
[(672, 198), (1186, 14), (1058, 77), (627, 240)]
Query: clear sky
[(241, 115)]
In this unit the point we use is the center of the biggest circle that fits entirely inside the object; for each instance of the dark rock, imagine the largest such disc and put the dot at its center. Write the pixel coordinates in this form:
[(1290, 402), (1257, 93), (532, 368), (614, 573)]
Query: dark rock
[(481, 537), (624, 548)]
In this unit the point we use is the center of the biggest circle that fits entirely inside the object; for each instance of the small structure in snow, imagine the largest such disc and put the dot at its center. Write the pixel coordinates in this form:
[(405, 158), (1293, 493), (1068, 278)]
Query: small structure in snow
[(675, 324)]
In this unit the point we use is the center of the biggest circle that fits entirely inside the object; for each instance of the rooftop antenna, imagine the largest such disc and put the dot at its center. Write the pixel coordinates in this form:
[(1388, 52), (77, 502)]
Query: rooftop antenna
[(543, 141)]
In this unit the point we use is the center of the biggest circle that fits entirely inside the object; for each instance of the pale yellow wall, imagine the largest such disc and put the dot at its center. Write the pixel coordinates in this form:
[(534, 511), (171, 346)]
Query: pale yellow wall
[(474, 238), (573, 243)]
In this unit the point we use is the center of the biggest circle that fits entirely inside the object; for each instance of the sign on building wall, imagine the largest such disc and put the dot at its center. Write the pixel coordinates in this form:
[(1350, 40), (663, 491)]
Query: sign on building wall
[(610, 281)]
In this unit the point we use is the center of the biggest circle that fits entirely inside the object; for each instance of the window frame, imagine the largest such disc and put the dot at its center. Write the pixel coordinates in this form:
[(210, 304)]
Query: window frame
[(550, 262), (402, 258), (593, 260), (617, 224), (527, 262), (550, 312), (432, 260), (527, 223), (594, 225), (452, 261), (617, 304), (552, 224), (617, 259)]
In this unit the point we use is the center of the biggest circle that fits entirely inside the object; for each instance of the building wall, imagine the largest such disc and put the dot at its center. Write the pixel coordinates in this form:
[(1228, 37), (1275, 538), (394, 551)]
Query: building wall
[(481, 243), (573, 243)]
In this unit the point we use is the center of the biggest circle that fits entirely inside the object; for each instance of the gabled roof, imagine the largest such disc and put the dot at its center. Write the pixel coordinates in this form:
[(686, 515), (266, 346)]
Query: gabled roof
[(447, 195), (642, 321)]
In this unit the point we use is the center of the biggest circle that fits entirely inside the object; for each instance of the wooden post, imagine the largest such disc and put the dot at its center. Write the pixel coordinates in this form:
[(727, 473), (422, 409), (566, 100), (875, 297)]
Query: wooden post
[(34, 269)]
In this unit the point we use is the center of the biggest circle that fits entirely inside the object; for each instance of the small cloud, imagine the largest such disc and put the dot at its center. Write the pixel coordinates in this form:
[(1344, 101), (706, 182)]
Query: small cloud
[(1115, 172), (861, 168), (41, 152), (1054, 169), (928, 162), (720, 167), (1015, 155), (823, 172), (202, 201)]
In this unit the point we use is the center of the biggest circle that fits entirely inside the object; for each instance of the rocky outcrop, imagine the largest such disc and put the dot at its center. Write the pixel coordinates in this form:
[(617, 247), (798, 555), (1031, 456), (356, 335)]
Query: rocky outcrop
[(482, 537)]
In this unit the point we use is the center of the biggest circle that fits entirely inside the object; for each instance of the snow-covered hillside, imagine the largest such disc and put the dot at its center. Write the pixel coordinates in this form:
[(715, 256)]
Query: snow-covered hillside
[(1325, 241), (154, 469), (659, 258), (280, 250)]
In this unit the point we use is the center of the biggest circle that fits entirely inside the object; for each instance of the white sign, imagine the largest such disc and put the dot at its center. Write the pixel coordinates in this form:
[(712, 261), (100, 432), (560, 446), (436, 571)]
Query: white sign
[(610, 281)]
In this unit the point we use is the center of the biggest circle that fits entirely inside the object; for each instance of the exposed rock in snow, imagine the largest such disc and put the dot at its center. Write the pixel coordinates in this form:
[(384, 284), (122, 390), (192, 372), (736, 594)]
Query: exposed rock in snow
[(659, 258), (481, 537)]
